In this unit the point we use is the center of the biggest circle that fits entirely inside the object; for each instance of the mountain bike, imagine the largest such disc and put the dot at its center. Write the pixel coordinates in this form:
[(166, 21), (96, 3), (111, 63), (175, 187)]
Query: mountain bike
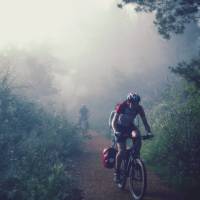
[(133, 169)]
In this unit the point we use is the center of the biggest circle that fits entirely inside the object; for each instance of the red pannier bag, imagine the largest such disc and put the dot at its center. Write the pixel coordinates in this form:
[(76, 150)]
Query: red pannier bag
[(108, 157)]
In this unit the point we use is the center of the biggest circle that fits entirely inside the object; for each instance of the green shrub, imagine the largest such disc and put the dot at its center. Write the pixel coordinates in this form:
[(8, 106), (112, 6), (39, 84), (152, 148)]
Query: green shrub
[(174, 152), (37, 148)]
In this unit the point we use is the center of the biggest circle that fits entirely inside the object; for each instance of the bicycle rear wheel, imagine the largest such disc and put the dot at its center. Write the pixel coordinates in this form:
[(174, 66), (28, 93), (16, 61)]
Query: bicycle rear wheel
[(122, 183), (137, 179)]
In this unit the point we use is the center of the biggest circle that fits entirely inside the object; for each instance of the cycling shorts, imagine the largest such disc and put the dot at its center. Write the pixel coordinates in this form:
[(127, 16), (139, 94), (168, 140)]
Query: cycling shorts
[(125, 132)]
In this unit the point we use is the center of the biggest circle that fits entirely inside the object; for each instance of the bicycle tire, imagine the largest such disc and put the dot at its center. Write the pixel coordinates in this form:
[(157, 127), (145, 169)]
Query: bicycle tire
[(137, 174), (123, 176)]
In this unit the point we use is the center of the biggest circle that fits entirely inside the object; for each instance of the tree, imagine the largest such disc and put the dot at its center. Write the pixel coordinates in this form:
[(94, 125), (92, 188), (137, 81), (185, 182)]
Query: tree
[(190, 71), (171, 16)]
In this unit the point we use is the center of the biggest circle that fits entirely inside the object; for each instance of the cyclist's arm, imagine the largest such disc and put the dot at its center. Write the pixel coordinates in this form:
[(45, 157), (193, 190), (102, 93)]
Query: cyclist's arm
[(118, 110), (144, 120), (114, 121), (111, 118)]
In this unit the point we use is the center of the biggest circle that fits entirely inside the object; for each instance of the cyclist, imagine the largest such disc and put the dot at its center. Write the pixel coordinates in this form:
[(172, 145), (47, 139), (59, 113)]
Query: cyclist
[(124, 127), (83, 117)]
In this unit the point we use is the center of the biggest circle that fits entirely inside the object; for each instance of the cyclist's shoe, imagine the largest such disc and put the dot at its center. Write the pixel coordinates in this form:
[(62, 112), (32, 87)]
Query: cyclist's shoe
[(116, 177)]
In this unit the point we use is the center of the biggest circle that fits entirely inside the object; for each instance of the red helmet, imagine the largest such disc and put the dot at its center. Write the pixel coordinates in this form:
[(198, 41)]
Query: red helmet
[(108, 157)]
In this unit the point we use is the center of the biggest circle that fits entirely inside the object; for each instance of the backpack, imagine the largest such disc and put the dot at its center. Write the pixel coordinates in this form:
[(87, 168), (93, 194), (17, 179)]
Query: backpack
[(112, 115)]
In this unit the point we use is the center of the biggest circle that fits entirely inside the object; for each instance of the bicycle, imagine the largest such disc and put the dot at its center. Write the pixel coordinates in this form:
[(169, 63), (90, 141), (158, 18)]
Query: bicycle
[(133, 167)]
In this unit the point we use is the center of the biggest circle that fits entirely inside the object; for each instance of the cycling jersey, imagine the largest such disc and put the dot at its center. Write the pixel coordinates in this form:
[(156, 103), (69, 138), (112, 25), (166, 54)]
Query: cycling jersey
[(127, 114)]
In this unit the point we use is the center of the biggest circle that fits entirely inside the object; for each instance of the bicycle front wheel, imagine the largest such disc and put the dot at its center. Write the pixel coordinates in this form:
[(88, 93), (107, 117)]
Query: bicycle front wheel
[(137, 179)]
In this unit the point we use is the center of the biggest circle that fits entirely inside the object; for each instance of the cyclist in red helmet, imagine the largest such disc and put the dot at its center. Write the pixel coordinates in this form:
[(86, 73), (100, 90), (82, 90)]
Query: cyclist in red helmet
[(123, 127)]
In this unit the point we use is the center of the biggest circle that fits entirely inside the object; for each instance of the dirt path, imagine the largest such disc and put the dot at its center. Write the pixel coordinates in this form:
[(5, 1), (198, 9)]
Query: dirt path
[(97, 182)]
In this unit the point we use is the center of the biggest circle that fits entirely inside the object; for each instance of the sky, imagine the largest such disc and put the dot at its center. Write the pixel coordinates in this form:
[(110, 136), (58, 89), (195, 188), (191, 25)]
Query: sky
[(90, 51), (41, 21)]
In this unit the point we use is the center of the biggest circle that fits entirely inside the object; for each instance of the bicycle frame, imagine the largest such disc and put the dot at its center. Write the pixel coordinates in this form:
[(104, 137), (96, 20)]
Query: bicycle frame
[(129, 161)]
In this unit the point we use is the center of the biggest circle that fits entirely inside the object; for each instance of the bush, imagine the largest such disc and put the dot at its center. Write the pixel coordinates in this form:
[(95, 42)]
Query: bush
[(37, 148), (175, 151)]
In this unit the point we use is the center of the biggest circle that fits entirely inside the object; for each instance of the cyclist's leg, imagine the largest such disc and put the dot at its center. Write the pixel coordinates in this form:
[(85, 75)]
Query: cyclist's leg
[(137, 141), (86, 124), (121, 146)]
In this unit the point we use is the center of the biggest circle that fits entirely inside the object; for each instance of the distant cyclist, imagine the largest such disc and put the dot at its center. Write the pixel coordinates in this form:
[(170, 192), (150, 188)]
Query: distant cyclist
[(124, 127), (83, 118)]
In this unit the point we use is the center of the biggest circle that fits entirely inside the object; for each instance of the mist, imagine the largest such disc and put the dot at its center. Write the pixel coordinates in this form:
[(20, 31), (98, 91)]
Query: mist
[(65, 53)]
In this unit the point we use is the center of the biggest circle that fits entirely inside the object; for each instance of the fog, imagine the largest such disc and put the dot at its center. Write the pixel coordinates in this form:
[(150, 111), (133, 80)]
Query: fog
[(67, 53)]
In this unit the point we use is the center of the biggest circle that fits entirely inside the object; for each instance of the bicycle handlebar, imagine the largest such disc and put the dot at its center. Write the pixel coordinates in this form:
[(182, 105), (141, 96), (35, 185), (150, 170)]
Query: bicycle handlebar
[(146, 136)]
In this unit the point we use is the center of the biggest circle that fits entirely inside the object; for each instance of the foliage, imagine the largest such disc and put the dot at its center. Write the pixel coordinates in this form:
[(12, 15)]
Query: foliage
[(36, 150), (170, 16), (190, 71), (175, 151)]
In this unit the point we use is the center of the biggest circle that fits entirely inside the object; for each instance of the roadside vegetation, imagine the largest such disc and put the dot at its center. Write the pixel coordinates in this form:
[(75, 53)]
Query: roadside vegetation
[(175, 150), (36, 148), (174, 153)]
